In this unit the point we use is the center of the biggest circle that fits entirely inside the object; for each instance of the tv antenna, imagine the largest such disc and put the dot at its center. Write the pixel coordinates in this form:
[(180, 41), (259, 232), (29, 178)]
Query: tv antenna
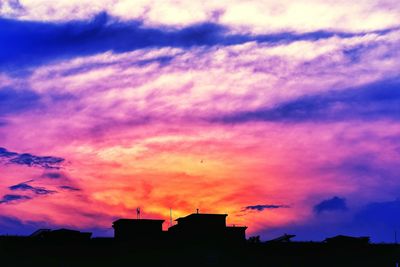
[(170, 217), (138, 213)]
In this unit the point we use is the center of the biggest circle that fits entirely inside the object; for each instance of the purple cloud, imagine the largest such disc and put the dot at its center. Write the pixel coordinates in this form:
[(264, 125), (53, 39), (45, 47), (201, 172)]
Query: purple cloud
[(69, 188), (7, 199), (332, 204), (35, 189), (265, 207), (46, 162)]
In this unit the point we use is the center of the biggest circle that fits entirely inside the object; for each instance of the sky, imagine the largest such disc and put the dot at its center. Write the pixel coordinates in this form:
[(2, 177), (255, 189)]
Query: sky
[(285, 115)]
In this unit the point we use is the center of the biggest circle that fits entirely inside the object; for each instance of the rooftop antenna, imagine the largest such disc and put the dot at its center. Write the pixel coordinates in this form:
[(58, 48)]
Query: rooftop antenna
[(138, 213), (170, 217)]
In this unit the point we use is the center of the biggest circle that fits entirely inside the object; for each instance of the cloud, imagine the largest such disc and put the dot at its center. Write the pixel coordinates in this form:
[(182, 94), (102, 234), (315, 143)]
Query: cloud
[(14, 101), (6, 199), (265, 207), (31, 160), (261, 16), (69, 188), (333, 204), (376, 101), (55, 175), (15, 4), (35, 189), (4, 153), (46, 162), (58, 41), (368, 164), (257, 69)]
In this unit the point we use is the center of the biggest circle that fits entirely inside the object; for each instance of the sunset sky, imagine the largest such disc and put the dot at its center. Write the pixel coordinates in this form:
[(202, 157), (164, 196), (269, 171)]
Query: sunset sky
[(283, 114)]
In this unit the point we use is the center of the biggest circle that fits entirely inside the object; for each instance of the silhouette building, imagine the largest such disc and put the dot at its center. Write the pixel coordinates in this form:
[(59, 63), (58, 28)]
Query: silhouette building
[(200, 227), (196, 227), (137, 229), (40, 233), (282, 239)]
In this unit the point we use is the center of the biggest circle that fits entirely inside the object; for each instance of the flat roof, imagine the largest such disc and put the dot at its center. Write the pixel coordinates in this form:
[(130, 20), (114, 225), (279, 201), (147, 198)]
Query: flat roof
[(194, 215), (138, 221), (236, 227)]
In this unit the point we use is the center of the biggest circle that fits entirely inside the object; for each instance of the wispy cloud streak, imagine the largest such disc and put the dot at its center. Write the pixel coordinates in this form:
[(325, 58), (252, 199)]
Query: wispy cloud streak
[(55, 41), (25, 186), (46, 162), (265, 207), (7, 199)]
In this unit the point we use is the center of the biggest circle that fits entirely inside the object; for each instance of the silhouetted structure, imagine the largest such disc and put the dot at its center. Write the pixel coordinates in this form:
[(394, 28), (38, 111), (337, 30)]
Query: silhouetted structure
[(254, 239), (40, 233), (282, 239), (138, 229), (203, 237), (200, 227), (194, 228)]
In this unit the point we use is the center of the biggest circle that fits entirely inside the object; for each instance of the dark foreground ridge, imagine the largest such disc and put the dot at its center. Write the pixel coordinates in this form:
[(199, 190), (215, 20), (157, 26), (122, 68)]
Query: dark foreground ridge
[(196, 240)]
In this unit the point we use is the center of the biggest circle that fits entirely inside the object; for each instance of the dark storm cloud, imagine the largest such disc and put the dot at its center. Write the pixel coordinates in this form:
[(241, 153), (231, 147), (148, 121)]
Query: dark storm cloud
[(380, 100), (46, 162), (265, 207), (333, 204), (35, 189), (52, 40)]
